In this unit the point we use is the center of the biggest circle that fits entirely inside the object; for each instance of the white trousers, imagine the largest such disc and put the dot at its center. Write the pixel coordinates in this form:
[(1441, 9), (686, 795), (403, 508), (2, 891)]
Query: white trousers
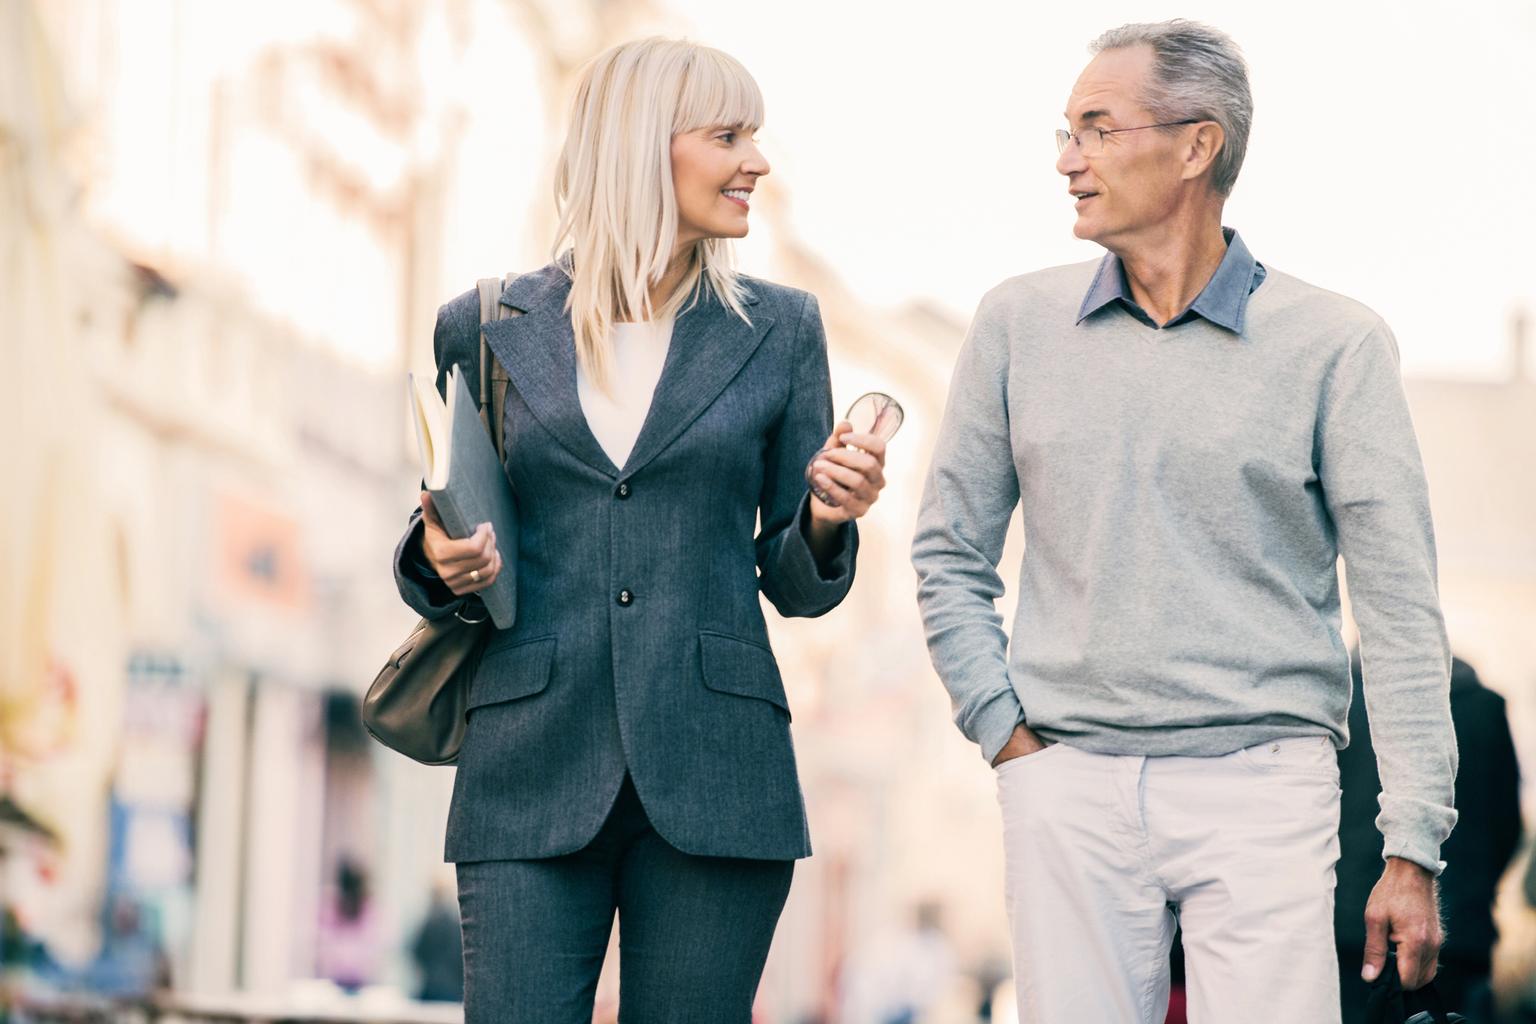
[(1104, 851)]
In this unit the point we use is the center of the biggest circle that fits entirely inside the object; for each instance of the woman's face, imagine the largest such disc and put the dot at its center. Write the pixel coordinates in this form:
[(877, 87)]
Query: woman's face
[(714, 171)]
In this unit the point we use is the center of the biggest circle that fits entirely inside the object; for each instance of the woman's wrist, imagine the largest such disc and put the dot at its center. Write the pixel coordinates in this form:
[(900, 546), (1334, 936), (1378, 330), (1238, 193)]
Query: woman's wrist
[(823, 537)]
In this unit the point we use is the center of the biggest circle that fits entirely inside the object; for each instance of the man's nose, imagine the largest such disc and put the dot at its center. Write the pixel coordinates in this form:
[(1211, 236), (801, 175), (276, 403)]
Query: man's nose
[(1071, 159)]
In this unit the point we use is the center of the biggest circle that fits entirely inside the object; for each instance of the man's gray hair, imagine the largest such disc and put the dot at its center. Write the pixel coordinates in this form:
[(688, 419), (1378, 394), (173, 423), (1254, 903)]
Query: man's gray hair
[(1197, 72)]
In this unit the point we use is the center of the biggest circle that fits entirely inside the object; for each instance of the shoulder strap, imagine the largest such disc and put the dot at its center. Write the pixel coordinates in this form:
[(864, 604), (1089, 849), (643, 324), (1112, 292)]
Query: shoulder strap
[(493, 376)]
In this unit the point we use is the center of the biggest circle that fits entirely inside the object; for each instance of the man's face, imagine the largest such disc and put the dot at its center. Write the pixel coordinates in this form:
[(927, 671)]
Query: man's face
[(1131, 186)]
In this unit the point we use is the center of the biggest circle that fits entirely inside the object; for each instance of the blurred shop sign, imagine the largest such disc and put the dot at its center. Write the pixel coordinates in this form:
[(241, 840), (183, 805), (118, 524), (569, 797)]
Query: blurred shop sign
[(260, 554)]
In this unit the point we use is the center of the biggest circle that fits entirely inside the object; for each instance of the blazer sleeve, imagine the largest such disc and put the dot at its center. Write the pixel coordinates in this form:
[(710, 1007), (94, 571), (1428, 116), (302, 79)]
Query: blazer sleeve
[(789, 574), (455, 339)]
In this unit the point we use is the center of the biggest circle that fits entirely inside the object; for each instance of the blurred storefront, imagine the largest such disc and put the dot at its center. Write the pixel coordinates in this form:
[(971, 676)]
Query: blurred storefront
[(247, 531), (200, 591)]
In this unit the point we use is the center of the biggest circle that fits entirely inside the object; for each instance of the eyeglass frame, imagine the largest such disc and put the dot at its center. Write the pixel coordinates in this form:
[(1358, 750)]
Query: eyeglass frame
[(1065, 138)]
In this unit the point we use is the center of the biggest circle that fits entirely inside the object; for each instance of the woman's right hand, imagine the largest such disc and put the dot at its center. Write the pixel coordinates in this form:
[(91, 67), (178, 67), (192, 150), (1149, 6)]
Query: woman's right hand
[(465, 566)]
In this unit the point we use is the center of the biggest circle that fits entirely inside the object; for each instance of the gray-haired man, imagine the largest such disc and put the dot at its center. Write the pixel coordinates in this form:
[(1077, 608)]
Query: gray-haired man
[(1194, 439)]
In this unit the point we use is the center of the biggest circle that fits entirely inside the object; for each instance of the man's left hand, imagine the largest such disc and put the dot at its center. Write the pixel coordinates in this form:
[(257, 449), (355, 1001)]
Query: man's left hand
[(1404, 908)]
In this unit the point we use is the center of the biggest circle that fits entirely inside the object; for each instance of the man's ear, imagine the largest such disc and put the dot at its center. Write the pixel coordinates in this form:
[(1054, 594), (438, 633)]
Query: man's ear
[(1204, 145)]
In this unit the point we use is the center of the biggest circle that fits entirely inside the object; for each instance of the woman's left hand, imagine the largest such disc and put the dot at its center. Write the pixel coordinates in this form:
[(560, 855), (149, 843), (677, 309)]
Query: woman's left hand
[(852, 477)]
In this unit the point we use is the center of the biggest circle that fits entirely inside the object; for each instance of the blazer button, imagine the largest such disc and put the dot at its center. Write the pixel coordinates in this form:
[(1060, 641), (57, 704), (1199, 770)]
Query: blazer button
[(623, 491), (626, 598)]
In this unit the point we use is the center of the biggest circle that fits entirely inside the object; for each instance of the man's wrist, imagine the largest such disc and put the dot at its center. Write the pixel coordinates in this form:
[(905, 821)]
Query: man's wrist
[(1021, 743), (1402, 865)]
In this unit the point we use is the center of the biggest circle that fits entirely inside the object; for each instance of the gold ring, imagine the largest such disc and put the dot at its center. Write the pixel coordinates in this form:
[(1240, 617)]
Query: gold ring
[(474, 574)]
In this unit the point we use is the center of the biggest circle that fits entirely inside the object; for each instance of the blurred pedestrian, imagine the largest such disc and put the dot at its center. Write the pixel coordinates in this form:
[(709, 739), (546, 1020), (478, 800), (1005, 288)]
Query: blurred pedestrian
[(438, 950), (24, 957), (923, 968), (132, 962), (1194, 438), (1476, 855), (628, 745), (901, 977), (348, 948), (1178, 995), (989, 974)]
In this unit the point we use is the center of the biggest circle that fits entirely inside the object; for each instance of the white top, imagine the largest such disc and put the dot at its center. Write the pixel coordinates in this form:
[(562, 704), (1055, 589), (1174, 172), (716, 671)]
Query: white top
[(639, 352)]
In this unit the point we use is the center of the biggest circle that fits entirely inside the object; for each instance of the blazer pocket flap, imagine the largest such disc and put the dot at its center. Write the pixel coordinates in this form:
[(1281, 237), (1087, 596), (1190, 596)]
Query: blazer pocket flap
[(509, 670), (741, 667)]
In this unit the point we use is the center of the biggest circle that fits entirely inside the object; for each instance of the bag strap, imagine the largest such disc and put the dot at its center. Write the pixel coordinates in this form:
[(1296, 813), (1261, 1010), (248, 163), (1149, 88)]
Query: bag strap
[(493, 376)]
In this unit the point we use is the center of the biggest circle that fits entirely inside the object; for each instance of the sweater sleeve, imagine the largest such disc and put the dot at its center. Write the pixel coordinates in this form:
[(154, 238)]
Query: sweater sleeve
[(968, 498), (1374, 488)]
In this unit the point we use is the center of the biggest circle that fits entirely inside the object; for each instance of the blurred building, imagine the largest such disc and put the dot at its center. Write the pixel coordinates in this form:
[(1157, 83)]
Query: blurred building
[(218, 275), (1479, 443)]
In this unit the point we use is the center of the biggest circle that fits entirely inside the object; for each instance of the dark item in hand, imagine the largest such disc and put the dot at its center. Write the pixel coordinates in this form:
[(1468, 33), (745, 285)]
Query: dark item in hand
[(1388, 1003)]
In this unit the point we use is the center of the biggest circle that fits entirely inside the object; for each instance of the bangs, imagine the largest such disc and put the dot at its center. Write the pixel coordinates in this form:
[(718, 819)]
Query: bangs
[(717, 92)]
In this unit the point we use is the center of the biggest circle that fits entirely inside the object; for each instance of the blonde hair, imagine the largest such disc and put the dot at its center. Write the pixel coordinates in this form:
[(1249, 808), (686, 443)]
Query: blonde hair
[(613, 184)]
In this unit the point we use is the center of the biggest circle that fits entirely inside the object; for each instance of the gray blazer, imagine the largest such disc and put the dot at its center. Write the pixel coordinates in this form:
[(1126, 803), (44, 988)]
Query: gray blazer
[(640, 643)]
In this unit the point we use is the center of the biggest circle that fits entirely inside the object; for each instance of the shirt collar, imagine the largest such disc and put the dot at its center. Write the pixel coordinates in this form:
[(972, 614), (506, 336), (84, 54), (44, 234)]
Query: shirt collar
[(1223, 301)]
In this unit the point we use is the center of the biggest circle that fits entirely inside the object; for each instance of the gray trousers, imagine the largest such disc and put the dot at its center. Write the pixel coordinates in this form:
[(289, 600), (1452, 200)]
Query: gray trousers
[(693, 931)]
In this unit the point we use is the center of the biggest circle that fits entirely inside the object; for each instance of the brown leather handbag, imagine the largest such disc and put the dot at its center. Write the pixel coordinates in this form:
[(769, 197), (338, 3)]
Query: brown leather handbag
[(415, 704)]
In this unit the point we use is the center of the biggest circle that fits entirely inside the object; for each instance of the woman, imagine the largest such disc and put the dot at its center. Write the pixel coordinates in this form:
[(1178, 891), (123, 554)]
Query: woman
[(628, 746)]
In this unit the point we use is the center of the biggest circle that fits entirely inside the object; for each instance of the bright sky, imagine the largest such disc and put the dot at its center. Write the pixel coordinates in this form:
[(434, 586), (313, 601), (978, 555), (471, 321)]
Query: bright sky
[(1392, 155)]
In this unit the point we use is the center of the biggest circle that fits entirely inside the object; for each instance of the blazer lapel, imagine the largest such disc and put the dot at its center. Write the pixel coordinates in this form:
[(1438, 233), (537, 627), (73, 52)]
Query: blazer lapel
[(709, 346), (538, 351)]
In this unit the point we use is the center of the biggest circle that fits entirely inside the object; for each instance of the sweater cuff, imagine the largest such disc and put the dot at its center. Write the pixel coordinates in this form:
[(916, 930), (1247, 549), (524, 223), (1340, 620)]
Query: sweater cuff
[(1414, 828), (1419, 853), (993, 724)]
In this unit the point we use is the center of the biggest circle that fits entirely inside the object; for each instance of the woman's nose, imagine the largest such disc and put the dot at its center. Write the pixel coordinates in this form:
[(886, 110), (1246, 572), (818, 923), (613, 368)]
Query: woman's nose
[(755, 163)]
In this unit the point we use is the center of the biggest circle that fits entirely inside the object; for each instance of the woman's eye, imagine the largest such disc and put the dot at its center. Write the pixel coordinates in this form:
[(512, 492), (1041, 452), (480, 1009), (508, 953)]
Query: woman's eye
[(727, 137)]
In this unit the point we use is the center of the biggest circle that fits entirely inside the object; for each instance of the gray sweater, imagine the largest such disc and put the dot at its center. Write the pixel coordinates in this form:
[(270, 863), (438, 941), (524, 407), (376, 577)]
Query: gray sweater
[(1186, 494)]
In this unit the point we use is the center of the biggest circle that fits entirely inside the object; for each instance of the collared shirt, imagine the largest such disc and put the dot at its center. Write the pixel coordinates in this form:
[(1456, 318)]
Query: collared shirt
[(1223, 301)]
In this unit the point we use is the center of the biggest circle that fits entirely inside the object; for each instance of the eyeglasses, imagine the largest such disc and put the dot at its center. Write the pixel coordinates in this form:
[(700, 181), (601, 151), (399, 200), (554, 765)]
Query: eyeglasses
[(1091, 140)]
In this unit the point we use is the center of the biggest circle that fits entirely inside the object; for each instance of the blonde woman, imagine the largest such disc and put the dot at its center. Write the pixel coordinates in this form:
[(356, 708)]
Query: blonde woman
[(628, 747)]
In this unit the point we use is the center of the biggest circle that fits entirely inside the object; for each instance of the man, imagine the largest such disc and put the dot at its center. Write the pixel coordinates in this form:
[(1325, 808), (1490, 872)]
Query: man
[(1477, 854), (1193, 438)]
